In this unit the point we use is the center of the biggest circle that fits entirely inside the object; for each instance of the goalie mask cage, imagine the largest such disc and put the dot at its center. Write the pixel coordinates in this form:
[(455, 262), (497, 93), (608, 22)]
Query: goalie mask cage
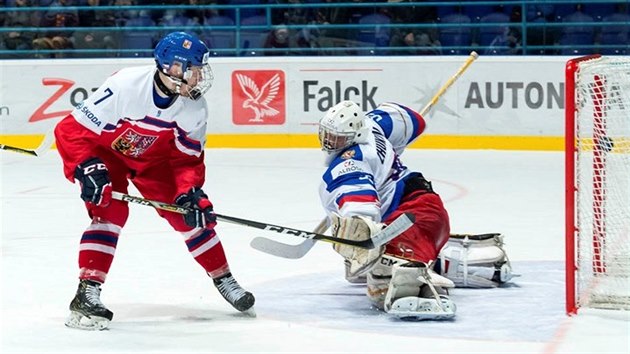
[(597, 155)]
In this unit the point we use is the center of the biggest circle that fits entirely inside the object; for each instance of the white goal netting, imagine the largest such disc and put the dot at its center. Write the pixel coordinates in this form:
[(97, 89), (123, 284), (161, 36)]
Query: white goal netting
[(602, 179)]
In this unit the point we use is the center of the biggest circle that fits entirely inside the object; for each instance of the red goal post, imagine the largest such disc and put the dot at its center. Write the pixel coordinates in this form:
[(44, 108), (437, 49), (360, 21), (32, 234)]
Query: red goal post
[(597, 172)]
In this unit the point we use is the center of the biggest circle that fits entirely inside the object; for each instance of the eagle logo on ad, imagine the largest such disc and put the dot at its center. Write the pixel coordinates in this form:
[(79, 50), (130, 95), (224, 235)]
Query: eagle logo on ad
[(133, 144), (258, 97)]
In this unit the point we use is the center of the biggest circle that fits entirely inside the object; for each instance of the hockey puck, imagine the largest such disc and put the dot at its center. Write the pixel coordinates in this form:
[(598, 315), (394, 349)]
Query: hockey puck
[(605, 143)]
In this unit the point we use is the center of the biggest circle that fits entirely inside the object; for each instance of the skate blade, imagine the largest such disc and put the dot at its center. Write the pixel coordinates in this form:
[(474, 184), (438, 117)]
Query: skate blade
[(79, 321), (250, 312)]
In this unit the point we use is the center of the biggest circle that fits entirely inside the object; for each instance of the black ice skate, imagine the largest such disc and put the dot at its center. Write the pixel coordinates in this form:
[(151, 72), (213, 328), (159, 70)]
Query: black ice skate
[(232, 292), (86, 309)]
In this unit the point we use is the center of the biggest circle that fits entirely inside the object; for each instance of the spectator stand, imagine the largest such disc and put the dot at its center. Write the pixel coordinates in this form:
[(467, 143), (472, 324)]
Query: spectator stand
[(129, 28)]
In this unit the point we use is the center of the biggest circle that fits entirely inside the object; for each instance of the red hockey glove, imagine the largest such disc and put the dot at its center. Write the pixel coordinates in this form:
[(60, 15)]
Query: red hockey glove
[(96, 187), (202, 213)]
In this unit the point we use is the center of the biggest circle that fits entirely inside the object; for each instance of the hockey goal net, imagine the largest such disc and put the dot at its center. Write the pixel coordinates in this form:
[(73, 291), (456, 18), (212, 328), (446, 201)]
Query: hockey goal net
[(597, 104)]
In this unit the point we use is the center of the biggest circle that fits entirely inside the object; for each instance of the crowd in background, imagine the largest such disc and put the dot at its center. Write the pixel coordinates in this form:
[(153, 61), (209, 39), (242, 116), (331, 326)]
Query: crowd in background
[(294, 30)]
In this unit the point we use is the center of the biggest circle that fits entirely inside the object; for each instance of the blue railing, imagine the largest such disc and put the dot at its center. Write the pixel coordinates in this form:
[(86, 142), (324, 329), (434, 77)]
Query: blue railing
[(368, 28)]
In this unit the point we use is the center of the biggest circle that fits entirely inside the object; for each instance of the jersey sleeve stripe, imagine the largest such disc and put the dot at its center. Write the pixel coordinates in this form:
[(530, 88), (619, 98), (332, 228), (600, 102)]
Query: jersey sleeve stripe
[(418, 123), (351, 179), (365, 196), (109, 127), (189, 143)]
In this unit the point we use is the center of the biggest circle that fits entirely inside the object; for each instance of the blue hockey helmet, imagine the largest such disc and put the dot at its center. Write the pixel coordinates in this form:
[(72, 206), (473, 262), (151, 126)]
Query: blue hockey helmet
[(189, 51), (181, 47)]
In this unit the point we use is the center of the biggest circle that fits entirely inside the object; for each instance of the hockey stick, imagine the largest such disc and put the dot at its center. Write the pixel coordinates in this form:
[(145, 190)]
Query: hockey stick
[(43, 148), (471, 58), (403, 222), (284, 250)]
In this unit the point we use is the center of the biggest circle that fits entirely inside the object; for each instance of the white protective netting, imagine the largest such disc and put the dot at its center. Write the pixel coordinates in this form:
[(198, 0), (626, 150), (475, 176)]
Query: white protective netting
[(602, 171)]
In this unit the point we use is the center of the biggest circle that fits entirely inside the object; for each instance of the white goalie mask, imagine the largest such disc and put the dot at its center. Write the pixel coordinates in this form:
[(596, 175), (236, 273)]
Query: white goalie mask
[(343, 125)]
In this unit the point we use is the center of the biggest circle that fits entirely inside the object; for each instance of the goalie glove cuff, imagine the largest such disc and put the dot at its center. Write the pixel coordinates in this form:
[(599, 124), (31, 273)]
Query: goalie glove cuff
[(356, 228)]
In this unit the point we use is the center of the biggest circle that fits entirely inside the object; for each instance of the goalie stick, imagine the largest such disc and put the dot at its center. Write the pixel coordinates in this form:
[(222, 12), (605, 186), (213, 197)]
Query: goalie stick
[(43, 147), (280, 249), (288, 251), (401, 224), (471, 58), (284, 250)]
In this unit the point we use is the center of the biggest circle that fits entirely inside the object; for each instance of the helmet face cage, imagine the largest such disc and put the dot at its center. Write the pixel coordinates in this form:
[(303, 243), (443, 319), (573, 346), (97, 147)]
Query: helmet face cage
[(332, 141), (342, 126), (191, 54)]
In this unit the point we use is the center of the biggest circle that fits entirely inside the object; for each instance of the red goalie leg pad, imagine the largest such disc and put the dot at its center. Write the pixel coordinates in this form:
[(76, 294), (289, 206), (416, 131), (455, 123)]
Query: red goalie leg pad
[(207, 250), (96, 252), (424, 240)]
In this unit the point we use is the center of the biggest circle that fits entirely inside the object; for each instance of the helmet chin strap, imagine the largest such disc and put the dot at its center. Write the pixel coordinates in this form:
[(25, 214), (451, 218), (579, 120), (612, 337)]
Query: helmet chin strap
[(160, 84)]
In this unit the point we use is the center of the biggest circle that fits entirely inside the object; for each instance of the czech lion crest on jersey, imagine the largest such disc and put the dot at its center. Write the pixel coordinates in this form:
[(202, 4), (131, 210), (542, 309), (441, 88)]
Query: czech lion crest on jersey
[(133, 144)]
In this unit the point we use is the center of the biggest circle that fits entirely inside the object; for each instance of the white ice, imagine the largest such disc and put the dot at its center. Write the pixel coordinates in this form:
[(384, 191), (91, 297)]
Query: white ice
[(163, 302)]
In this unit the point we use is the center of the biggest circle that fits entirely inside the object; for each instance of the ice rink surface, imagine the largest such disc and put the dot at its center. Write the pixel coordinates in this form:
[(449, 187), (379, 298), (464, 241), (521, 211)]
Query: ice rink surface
[(164, 303)]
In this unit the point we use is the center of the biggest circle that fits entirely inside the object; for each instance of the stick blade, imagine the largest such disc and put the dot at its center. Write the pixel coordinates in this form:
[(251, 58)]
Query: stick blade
[(46, 144), (280, 249)]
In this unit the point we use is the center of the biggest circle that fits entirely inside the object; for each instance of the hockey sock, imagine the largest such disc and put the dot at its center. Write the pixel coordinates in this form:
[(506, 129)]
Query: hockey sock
[(207, 250), (96, 252)]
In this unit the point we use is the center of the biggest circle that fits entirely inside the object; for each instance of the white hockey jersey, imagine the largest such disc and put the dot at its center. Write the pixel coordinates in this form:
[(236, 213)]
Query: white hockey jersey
[(120, 119), (368, 179), (127, 96)]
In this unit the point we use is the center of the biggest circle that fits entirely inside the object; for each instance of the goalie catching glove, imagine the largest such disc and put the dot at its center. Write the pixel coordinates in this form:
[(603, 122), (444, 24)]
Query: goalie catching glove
[(356, 228)]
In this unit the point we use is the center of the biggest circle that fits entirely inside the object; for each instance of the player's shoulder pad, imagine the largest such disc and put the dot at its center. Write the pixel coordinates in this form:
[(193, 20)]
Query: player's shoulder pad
[(131, 78)]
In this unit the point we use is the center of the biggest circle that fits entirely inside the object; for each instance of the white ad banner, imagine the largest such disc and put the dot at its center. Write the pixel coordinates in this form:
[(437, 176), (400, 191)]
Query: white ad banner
[(496, 96)]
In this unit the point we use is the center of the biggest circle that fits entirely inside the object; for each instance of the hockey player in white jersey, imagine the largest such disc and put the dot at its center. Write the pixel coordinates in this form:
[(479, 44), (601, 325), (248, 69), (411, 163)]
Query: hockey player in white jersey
[(146, 125), (365, 187)]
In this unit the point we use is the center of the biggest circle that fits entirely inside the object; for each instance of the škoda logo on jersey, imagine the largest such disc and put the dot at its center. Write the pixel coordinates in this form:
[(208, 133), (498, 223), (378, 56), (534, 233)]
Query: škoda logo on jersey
[(258, 97)]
